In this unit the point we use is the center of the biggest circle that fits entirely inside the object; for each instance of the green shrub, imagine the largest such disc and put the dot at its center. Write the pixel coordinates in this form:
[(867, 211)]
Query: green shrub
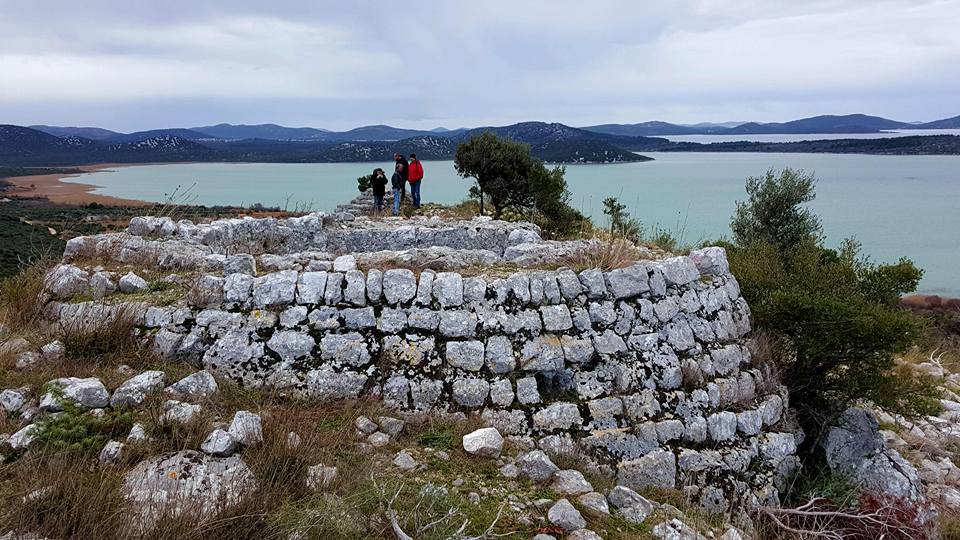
[(363, 183), (511, 179), (79, 432), (774, 211), (833, 312)]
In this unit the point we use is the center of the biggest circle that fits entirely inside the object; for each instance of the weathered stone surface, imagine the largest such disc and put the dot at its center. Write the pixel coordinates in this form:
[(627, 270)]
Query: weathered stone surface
[(310, 287), (556, 318), (399, 285), (185, 483), (22, 439), (12, 399), (564, 515), (88, 393), (291, 345), (345, 263), (527, 392), (470, 391), (536, 466), (219, 444), (656, 469), (458, 324), (499, 355), (595, 504), (485, 442), (854, 448), (110, 453), (275, 289), (374, 285), (241, 263), (178, 412), (593, 283), (246, 428), (467, 355), (320, 476), (355, 292), (133, 392), (132, 283), (722, 426), (448, 289), (543, 353), (347, 348), (329, 384), (557, 416), (679, 270), (66, 281), (359, 318), (570, 482), (628, 282), (196, 385)]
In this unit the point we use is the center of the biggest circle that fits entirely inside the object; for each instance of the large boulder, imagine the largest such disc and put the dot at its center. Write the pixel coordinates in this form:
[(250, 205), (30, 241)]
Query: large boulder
[(855, 449), (185, 484)]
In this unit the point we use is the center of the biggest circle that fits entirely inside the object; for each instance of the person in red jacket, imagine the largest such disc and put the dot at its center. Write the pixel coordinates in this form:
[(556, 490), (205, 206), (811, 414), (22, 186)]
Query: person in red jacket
[(415, 176)]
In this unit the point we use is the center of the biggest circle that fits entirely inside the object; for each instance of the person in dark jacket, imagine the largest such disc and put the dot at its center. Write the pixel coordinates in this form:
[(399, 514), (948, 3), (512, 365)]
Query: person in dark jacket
[(414, 176), (397, 182), (404, 169), (379, 182)]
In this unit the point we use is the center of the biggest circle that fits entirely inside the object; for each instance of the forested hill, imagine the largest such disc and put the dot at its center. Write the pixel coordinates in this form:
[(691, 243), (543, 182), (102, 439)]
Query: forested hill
[(23, 146), (553, 142)]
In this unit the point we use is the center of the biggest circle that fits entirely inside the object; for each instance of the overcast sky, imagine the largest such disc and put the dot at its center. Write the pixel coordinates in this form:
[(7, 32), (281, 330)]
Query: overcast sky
[(128, 65)]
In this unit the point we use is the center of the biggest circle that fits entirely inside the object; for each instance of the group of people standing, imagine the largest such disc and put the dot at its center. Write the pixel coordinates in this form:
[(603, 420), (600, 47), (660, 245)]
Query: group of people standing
[(403, 172)]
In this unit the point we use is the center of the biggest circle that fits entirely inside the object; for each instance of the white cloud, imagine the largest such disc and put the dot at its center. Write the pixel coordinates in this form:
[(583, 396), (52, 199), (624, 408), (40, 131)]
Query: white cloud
[(339, 64)]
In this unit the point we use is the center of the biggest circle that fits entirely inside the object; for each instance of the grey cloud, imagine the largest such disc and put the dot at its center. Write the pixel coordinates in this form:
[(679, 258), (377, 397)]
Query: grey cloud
[(128, 66)]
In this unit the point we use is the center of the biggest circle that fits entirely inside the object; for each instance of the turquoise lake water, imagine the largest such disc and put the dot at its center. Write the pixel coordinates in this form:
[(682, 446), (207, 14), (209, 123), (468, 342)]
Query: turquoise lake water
[(894, 205)]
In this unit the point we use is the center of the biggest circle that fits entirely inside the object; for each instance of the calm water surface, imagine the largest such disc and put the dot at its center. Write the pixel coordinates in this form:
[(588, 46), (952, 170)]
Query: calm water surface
[(894, 205)]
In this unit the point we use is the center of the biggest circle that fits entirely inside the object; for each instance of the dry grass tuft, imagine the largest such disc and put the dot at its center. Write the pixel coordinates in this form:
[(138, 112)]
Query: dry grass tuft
[(606, 255), (110, 341), (21, 298)]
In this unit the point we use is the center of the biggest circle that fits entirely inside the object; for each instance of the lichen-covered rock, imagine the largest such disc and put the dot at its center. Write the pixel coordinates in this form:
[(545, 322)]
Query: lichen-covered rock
[(399, 286), (219, 444), (466, 355), (566, 516), (570, 482), (656, 469), (246, 428), (66, 281), (196, 385), (133, 392), (186, 483), (536, 466), (291, 345), (854, 448), (132, 283), (276, 289), (485, 442), (557, 416), (86, 393)]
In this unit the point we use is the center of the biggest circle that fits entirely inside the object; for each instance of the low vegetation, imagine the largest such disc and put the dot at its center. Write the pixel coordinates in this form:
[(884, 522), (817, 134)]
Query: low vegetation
[(833, 312), (507, 177)]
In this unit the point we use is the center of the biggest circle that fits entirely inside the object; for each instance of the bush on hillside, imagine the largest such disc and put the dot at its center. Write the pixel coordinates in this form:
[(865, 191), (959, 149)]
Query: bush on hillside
[(511, 180), (833, 312), (774, 211), (363, 183)]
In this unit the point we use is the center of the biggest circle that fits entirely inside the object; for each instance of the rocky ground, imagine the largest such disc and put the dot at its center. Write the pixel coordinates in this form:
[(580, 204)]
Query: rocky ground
[(117, 451)]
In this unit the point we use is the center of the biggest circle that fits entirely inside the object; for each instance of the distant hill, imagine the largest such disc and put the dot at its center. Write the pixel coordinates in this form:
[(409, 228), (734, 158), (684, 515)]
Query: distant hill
[(378, 133), (552, 142), (92, 133), (22, 146), (851, 123), (261, 131), (182, 133), (645, 129), (946, 123)]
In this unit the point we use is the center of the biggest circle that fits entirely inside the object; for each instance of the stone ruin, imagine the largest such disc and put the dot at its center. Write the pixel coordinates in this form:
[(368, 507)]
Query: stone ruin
[(642, 371)]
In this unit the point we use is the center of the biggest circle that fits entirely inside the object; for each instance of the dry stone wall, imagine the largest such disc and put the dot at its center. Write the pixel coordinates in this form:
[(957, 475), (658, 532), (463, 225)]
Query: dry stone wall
[(643, 369)]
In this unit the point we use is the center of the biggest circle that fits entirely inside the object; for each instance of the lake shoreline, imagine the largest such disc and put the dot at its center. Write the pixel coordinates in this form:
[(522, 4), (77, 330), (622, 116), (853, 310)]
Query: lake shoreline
[(53, 188)]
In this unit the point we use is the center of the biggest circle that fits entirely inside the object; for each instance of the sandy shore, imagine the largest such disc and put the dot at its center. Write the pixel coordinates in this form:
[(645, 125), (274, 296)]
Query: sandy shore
[(53, 188)]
